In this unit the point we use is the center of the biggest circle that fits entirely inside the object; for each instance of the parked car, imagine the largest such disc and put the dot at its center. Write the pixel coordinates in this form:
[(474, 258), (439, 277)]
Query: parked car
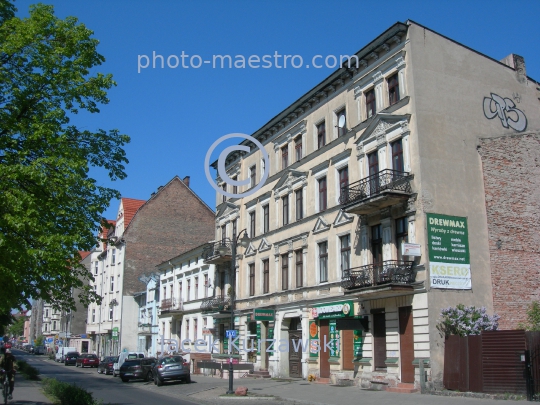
[(39, 350), (87, 360), (106, 365), (71, 358), (171, 368), (137, 369), (123, 357), (61, 353)]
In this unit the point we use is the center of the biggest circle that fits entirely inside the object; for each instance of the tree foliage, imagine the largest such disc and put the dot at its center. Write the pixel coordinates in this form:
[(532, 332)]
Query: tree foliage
[(533, 318), (50, 208), (16, 329), (465, 321)]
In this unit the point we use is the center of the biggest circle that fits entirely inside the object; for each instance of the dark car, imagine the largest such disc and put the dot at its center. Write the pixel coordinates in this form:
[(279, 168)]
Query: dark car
[(171, 368), (71, 358), (87, 360), (106, 365), (137, 369)]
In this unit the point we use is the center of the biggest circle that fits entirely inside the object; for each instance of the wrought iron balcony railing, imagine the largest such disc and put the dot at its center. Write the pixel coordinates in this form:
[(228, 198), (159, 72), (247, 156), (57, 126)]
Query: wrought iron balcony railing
[(171, 304), (218, 249), (216, 304), (378, 183), (387, 272)]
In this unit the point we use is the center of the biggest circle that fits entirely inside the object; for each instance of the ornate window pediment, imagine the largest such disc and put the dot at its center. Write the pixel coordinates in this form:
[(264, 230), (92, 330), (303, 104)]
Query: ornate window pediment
[(320, 226), (264, 245), (342, 218)]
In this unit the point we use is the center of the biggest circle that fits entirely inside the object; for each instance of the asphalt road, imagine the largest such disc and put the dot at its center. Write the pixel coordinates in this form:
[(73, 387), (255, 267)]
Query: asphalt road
[(113, 391)]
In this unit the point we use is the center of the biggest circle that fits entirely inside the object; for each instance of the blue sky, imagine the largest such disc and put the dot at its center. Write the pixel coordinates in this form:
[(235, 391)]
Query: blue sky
[(174, 115)]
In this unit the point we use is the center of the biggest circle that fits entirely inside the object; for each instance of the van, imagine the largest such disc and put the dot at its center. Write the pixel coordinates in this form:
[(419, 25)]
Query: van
[(62, 351), (123, 357)]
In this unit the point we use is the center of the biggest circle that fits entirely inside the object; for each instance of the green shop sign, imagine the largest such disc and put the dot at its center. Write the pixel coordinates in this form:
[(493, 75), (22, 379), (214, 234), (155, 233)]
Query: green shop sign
[(334, 310), (263, 314), (449, 256)]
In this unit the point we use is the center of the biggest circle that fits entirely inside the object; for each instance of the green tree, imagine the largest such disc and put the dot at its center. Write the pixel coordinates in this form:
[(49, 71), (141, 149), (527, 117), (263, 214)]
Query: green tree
[(16, 329), (40, 340), (533, 318), (50, 208)]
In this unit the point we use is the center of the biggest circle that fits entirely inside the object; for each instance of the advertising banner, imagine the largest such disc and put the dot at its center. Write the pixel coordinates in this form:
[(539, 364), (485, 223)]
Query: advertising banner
[(313, 339), (449, 257)]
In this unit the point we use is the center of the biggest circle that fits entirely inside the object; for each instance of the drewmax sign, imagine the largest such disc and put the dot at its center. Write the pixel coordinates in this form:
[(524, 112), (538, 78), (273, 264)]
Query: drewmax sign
[(335, 310), (448, 246)]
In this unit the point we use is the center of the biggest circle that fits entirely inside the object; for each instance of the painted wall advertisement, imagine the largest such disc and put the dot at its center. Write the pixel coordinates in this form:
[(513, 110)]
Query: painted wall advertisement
[(448, 246)]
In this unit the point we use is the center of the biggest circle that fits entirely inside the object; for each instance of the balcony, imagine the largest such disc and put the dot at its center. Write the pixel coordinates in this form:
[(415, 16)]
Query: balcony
[(170, 305), (145, 329), (380, 190), (390, 273), (219, 304), (218, 252)]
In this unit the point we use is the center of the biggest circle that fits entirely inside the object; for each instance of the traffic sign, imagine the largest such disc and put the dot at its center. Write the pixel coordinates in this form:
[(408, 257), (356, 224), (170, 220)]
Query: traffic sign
[(230, 334)]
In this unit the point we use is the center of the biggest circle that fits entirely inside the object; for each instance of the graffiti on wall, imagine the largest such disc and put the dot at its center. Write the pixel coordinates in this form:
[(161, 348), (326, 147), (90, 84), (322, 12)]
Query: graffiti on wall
[(505, 109)]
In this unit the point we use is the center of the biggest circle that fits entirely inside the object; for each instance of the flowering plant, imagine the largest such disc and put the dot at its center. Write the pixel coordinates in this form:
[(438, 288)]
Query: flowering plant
[(465, 321)]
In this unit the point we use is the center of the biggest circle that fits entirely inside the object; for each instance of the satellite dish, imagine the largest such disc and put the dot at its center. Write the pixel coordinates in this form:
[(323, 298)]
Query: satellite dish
[(341, 121)]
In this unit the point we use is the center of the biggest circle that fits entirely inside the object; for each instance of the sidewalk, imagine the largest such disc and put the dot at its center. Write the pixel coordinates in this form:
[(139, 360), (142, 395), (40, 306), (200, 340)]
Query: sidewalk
[(28, 393), (303, 392)]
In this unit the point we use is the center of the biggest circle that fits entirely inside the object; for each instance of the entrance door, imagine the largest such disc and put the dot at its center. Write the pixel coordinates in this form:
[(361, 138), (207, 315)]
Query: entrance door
[(379, 341), (324, 355), (295, 356), (406, 344)]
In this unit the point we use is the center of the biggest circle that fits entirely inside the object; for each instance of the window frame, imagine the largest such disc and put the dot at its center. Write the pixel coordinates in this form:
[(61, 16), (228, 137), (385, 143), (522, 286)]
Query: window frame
[(341, 131), (252, 224), (397, 155), (253, 176), (285, 207), (345, 252), (299, 267), (266, 276), (266, 218), (401, 236), (285, 271), (251, 267), (393, 89), (323, 261), (299, 203), (321, 134), (284, 157), (298, 148), (322, 193), (371, 103)]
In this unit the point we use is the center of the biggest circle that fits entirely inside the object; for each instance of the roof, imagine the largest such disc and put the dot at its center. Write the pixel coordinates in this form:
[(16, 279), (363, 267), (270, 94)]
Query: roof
[(131, 206), (84, 255)]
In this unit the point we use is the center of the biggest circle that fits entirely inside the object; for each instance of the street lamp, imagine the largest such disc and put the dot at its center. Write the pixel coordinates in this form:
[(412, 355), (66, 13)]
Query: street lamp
[(244, 242), (112, 304)]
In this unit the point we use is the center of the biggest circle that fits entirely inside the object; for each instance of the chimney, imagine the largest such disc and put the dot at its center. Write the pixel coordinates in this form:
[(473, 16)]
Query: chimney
[(153, 194), (159, 188), (186, 181), (517, 63)]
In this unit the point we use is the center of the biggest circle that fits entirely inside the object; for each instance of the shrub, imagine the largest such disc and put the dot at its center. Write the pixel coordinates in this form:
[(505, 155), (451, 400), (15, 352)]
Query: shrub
[(465, 321), (68, 394), (533, 318)]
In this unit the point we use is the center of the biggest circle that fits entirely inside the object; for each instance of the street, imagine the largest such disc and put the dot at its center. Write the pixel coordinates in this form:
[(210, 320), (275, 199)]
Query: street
[(207, 390)]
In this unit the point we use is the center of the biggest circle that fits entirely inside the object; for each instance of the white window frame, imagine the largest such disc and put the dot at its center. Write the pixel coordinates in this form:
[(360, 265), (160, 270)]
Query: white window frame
[(317, 177)]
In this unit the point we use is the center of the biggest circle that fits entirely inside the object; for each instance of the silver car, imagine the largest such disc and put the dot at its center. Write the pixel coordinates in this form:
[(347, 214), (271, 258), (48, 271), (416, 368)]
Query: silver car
[(171, 368)]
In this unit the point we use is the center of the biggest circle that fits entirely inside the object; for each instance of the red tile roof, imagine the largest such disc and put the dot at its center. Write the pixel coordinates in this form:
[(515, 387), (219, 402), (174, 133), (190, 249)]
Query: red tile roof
[(131, 206), (84, 254)]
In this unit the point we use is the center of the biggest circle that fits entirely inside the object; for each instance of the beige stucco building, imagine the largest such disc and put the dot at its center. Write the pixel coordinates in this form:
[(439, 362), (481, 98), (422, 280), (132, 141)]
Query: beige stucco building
[(380, 154)]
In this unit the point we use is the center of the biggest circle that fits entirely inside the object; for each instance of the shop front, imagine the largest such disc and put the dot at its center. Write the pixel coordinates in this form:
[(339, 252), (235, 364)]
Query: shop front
[(336, 340)]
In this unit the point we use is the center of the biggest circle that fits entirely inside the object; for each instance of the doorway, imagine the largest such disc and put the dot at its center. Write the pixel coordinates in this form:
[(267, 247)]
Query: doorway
[(406, 344), (295, 356), (324, 355)]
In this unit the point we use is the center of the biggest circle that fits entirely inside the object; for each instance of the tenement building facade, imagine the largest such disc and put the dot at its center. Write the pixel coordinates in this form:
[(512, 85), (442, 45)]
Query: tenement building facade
[(373, 217)]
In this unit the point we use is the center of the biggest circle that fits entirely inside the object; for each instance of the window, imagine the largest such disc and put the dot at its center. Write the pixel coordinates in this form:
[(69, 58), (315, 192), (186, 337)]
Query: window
[(112, 283), (111, 313), (234, 228), (397, 156), (376, 243), (343, 174), (284, 157), (45, 327), (323, 262), (322, 194), (54, 325), (113, 256), (371, 109), (223, 196), (321, 135), (342, 130), (402, 235), (196, 287), (299, 194), (180, 290), (187, 329), (252, 224), (93, 315), (195, 328), (298, 148), (266, 218), (373, 163), (205, 285), (285, 201), (223, 234), (299, 268), (235, 188), (253, 175), (266, 276), (46, 313), (252, 279), (96, 267), (393, 89), (285, 271), (345, 243), (188, 290)]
